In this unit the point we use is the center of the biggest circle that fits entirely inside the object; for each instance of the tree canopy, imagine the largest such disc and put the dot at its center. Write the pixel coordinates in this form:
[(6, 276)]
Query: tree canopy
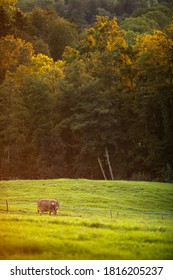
[(94, 102)]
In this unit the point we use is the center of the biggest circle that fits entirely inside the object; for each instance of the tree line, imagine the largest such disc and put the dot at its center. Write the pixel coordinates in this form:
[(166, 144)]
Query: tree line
[(84, 12), (91, 104)]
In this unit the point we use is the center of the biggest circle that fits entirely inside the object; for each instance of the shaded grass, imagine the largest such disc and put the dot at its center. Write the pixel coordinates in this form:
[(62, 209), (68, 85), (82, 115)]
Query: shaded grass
[(140, 228)]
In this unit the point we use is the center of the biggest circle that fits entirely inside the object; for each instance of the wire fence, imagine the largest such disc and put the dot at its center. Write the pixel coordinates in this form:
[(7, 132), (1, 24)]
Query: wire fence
[(10, 206)]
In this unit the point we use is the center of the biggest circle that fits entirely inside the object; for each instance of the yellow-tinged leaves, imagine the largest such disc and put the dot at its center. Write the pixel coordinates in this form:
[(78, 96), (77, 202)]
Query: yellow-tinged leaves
[(41, 64), (170, 29), (157, 40), (115, 41), (14, 51), (91, 40), (42, 67), (45, 67), (104, 35), (153, 56), (103, 23), (8, 3), (155, 47), (70, 54)]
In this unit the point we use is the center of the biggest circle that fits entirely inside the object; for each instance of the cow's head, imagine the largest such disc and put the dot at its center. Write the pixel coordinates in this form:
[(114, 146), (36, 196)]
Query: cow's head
[(56, 204)]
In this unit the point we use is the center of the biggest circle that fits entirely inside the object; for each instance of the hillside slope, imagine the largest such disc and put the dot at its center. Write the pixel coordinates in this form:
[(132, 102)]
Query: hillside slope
[(120, 219)]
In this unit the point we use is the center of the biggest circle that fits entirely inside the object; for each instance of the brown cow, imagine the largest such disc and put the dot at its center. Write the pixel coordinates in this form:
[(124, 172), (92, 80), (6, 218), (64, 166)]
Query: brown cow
[(47, 205)]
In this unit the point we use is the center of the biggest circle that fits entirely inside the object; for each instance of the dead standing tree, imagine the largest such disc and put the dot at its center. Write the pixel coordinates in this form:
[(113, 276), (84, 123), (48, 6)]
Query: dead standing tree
[(101, 167), (109, 165)]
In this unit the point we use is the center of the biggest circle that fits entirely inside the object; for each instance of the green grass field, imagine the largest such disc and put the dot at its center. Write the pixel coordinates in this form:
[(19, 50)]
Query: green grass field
[(97, 220)]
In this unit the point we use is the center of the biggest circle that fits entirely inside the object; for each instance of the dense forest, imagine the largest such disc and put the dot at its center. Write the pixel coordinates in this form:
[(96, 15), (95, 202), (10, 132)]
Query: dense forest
[(86, 89)]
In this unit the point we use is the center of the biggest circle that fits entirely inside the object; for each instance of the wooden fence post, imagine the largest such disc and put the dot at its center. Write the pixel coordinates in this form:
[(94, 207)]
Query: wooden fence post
[(7, 205), (111, 213)]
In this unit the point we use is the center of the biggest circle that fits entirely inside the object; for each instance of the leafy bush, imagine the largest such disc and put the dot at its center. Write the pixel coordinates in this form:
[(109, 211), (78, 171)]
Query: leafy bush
[(167, 173), (140, 176)]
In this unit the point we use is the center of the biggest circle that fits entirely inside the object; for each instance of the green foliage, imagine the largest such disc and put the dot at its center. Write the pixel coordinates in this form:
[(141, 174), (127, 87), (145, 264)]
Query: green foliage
[(13, 129), (28, 5), (84, 12), (12, 20), (140, 230), (111, 91), (14, 52), (167, 173), (140, 177), (54, 31), (4, 22), (139, 24), (61, 34), (161, 14)]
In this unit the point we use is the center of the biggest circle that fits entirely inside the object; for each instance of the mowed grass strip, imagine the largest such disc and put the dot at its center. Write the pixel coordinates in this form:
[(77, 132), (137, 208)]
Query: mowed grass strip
[(97, 220)]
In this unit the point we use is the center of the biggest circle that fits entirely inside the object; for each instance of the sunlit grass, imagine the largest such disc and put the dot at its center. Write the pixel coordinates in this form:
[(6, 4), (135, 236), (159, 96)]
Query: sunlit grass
[(97, 220)]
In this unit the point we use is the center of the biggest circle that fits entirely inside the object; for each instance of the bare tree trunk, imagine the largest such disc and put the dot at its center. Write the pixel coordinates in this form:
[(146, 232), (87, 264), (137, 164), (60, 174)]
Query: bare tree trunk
[(109, 164), (101, 167)]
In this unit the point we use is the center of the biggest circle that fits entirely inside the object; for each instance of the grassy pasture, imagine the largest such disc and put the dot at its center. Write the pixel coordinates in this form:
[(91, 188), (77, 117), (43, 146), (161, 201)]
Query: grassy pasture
[(97, 220)]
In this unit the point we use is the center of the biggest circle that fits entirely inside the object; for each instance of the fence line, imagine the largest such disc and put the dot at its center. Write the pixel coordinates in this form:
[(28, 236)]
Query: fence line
[(6, 205)]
